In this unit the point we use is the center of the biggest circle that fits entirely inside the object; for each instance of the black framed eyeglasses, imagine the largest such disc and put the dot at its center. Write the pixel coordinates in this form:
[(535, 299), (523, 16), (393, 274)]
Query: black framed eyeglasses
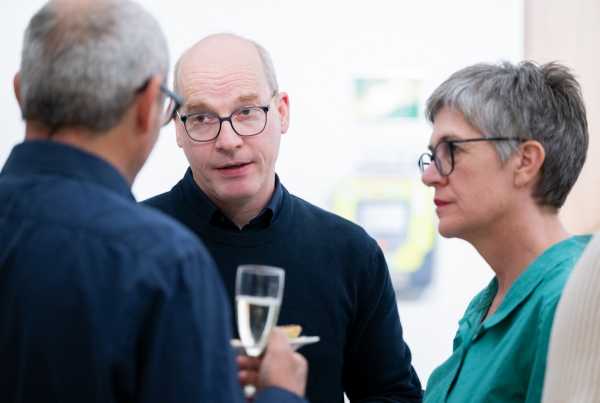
[(245, 121), (442, 154), (171, 104)]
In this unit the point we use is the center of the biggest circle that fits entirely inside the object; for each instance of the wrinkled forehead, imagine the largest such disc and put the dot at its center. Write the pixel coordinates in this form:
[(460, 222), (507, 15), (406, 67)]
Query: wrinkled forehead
[(221, 71)]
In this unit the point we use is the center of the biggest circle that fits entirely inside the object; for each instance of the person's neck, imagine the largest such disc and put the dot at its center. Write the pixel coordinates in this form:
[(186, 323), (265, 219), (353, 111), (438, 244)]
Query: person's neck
[(242, 211), (101, 145), (517, 241)]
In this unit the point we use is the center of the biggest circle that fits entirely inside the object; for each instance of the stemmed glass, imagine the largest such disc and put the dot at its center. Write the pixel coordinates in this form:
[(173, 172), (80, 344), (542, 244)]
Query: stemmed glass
[(258, 294)]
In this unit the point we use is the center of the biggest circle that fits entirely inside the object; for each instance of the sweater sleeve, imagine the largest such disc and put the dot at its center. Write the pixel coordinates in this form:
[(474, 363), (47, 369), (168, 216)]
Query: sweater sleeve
[(377, 365), (573, 365), (277, 395)]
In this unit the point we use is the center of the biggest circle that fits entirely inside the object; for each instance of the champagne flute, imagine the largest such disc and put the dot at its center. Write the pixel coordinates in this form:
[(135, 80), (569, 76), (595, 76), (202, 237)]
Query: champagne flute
[(258, 294)]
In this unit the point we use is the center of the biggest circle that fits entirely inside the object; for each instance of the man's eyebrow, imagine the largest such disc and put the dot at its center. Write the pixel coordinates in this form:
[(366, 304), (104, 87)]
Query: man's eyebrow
[(246, 98), (200, 105)]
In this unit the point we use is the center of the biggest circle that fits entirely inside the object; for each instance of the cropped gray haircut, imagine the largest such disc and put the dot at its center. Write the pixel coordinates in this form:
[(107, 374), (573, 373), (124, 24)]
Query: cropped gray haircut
[(529, 101), (82, 65), (263, 54)]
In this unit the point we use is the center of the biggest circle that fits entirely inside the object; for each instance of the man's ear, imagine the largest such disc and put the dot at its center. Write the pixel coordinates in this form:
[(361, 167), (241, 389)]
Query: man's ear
[(283, 108), (148, 110), (17, 87), (530, 159), (180, 135)]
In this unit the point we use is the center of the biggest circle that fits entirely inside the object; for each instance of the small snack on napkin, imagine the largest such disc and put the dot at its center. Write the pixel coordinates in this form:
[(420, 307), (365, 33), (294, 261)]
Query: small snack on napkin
[(292, 331)]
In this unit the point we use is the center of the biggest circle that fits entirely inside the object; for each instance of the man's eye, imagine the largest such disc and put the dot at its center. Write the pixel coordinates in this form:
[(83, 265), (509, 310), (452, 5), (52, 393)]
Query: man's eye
[(249, 113), (246, 111), (203, 119)]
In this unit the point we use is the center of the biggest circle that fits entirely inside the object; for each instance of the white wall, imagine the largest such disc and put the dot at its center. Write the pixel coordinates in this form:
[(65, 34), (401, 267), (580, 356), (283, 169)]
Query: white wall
[(318, 48)]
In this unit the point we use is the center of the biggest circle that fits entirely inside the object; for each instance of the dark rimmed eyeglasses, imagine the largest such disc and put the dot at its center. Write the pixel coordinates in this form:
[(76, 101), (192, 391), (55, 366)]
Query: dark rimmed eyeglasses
[(245, 121), (442, 154), (171, 104)]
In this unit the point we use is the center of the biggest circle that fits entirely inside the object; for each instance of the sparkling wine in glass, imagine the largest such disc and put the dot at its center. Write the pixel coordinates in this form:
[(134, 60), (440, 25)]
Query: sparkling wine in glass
[(258, 294)]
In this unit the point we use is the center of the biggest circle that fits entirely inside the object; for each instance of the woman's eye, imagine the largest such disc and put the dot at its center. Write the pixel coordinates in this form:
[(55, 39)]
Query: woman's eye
[(455, 148)]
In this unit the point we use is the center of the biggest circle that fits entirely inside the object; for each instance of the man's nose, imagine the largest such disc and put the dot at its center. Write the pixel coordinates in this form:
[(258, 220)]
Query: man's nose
[(228, 138)]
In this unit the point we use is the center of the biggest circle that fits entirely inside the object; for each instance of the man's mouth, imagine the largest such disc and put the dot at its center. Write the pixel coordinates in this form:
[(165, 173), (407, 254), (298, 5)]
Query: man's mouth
[(233, 168), (233, 165)]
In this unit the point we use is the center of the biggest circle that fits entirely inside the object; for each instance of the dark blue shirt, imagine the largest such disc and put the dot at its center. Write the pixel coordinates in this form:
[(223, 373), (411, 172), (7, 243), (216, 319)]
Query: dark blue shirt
[(261, 221), (337, 286), (103, 300)]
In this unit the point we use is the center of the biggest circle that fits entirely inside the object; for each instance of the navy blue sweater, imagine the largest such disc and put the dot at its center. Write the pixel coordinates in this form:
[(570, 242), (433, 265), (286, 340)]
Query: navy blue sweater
[(337, 286)]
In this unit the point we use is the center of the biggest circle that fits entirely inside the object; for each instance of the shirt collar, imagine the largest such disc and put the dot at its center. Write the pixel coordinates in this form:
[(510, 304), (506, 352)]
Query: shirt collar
[(51, 157), (525, 284), (216, 217)]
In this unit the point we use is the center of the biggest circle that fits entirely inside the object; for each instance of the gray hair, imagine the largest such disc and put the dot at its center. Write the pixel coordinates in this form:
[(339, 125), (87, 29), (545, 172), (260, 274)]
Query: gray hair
[(268, 66), (529, 101), (263, 54), (82, 65)]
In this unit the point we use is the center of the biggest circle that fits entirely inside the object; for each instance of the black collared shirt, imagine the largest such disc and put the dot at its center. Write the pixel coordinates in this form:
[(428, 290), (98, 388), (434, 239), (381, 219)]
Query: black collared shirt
[(261, 221)]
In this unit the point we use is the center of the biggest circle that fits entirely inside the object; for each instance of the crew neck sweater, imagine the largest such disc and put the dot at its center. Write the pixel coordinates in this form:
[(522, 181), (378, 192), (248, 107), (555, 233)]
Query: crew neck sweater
[(337, 287)]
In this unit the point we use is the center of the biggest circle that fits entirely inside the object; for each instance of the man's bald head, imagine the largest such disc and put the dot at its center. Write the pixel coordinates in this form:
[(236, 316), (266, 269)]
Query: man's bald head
[(216, 41)]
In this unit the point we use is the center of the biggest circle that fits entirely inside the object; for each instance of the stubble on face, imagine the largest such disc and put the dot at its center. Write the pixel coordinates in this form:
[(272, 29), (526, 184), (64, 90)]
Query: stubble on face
[(219, 75)]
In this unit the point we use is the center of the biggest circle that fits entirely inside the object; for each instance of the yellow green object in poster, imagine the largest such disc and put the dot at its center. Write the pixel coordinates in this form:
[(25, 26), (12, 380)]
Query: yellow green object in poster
[(397, 211)]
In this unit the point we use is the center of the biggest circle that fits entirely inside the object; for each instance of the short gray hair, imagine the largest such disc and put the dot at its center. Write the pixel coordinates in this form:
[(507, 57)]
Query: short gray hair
[(529, 101), (263, 54), (268, 66), (82, 65)]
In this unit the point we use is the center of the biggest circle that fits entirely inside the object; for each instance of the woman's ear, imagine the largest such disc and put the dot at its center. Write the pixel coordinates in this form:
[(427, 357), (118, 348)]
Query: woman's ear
[(530, 159)]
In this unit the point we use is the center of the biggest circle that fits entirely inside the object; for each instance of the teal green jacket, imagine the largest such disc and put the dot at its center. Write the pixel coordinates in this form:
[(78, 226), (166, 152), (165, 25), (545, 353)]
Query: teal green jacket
[(503, 359)]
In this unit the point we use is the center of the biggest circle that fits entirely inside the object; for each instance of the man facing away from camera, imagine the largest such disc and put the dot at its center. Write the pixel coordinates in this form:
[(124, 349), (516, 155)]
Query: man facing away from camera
[(337, 284), (103, 300)]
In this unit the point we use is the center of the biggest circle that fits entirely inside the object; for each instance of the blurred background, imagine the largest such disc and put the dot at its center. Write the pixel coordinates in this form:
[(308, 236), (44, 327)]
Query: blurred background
[(358, 74)]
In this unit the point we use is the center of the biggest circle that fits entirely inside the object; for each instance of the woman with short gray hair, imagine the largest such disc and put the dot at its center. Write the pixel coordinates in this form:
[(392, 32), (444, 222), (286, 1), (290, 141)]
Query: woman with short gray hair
[(508, 143)]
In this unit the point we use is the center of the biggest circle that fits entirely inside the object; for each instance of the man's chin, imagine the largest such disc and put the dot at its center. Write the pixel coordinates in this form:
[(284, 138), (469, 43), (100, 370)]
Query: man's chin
[(236, 193)]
